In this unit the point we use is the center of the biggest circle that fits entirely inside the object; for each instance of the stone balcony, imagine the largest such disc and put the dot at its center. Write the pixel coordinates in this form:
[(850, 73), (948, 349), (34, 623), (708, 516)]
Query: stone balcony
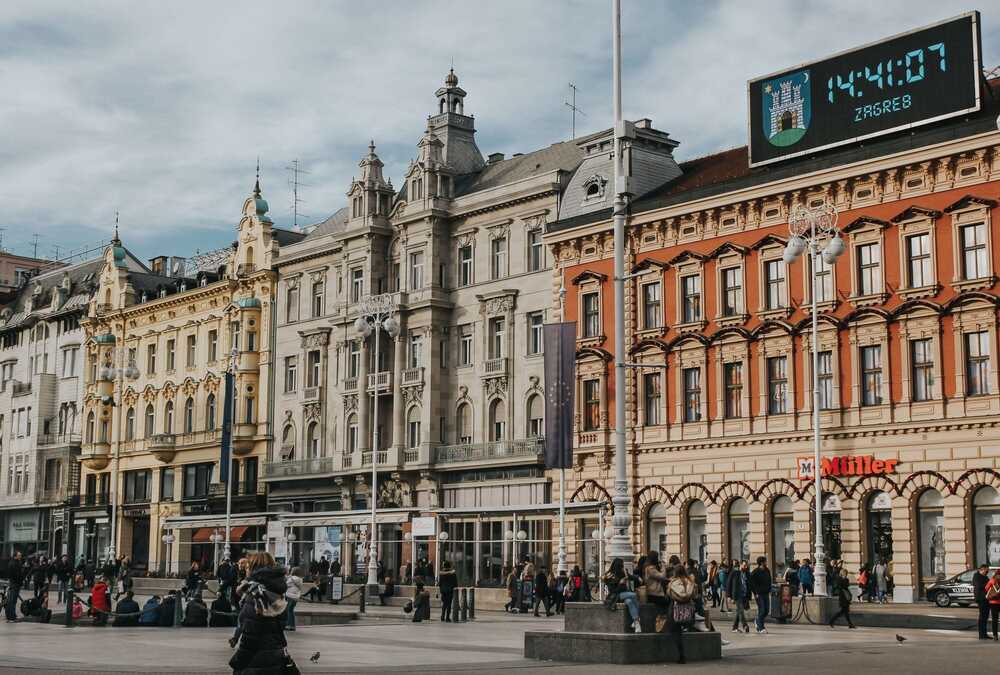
[(300, 468), (497, 367), (350, 384), (412, 376), (96, 455), (53, 440), (312, 393), (243, 437), (382, 382), (523, 451), (163, 447)]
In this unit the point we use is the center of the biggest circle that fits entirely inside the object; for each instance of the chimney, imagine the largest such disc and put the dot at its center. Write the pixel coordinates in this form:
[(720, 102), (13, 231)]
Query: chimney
[(159, 265), (644, 123), (495, 157)]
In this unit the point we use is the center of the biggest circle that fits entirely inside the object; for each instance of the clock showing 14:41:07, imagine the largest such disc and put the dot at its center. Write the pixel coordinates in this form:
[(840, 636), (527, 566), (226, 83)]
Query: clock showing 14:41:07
[(894, 73)]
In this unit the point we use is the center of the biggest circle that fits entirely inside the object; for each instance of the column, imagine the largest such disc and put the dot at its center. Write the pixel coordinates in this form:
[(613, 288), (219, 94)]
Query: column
[(957, 543), (802, 517), (904, 553), (364, 406), (398, 366), (760, 534), (851, 531), (715, 531)]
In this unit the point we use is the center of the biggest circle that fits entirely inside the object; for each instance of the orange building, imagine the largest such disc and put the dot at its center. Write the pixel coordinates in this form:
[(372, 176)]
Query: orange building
[(907, 355)]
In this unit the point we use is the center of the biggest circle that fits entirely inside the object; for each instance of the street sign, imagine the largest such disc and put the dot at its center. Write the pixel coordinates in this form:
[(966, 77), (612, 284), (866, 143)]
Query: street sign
[(425, 526)]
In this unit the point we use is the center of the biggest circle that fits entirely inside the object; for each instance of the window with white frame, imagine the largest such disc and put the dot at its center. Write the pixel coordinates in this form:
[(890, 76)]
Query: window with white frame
[(921, 369), (357, 284), (292, 303), (824, 279), (190, 351), (824, 379), (536, 416), (732, 291), (413, 428), (465, 265), (313, 361), (977, 363), (691, 298), (871, 375), (463, 424), (652, 305), (777, 385), (170, 355), (972, 239), (291, 372), (416, 350), (869, 269), (536, 322), (150, 359), (498, 257), (774, 282), (652, 396), (352, 433), (732, 375), (465, 349), (497, 334), (318, 295), (416, 270), (70, 356), (536, 251), (692, 394), (213, 345), (591, 315), (918, 260), (353, 359), (591, 404)]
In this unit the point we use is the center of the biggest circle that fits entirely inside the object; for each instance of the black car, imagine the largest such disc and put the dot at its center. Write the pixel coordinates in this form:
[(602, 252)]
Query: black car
[(957, 589)]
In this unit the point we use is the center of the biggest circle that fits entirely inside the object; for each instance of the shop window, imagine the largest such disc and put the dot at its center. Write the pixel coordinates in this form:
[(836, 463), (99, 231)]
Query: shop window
[(782, 534), (738, 525), (986, 524), (656, 529), (831, 526), (697, 534), (930, 524), (879, 521)]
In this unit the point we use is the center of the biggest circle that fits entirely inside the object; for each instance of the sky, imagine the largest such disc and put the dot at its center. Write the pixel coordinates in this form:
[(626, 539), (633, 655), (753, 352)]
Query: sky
[(159, 111)]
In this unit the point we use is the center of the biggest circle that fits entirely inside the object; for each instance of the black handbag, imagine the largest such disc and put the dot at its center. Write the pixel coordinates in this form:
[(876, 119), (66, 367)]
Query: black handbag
[(290, 667)]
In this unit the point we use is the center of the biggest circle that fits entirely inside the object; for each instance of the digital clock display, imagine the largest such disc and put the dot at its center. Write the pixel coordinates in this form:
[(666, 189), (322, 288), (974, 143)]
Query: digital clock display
[(915, 78)]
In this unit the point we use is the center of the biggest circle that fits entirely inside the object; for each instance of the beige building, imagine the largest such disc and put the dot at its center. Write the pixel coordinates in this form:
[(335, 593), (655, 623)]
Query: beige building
[(177, 328)]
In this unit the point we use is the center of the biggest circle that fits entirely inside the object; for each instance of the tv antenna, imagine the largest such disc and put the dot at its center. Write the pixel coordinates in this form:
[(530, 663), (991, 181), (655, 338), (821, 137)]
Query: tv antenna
[(295, 184), (34, 246), (572, 106)]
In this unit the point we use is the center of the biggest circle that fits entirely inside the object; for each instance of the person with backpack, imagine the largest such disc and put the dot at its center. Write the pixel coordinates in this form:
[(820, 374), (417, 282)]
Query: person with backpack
[(993, 597), (979, 581), (150, 615), (681, 591), (127, 611), (739, 592)]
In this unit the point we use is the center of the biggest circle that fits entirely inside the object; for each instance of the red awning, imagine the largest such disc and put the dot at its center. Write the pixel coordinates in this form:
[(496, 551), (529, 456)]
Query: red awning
[(203, 535)]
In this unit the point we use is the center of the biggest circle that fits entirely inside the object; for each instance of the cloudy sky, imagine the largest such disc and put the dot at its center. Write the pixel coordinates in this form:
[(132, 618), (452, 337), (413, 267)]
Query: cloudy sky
[(159, 110)]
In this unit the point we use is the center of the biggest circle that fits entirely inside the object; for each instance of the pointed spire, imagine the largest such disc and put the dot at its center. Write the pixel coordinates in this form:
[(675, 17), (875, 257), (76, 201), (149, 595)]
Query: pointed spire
[(116, 241), (256, 185)]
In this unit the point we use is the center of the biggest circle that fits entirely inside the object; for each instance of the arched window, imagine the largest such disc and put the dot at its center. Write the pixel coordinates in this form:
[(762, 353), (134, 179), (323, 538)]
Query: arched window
[(130, 424), (288, 442), (536, 417), (62, 419), (441, 106), (91, 427), (312, 440), (782, 534), (593, 189), (697, 517), (930, 532), (739, 529), (249, 257), (463, 424), (210, 413), (189, 415), (150, 421), (986, 521), (352, 433), (498, 420), (413, 427), (168, 418), (878, 518), (831, 524), (656, 529)]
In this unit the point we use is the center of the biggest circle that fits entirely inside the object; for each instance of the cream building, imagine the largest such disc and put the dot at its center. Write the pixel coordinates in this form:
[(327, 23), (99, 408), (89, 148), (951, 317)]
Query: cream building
[(180, 325)]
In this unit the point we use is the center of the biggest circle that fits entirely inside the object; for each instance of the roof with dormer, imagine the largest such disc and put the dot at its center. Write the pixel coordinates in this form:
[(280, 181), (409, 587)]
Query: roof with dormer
[(564, 156)]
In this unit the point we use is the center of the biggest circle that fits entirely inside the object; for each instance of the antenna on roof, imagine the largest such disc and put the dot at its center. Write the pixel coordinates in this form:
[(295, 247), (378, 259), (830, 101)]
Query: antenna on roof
[(572, 106), (2, 230), (294, 183), (34, 246)]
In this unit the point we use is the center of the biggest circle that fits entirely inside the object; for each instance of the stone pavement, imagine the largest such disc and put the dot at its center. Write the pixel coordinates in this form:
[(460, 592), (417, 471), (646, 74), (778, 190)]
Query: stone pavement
[(492, 644)]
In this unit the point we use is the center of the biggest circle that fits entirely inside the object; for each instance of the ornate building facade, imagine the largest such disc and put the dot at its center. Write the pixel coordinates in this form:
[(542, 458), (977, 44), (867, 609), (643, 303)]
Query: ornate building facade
[(907, 356)]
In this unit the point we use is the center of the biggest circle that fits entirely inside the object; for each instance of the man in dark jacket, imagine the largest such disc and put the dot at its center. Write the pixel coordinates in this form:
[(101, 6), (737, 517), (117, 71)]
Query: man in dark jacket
[(738, 590), (150, 612), (127, 611), (15, 578), (167, 609), (226, 574), (421, 603), (979, 581), (542, 592), (196, 613), (447, 583), (760, 585)]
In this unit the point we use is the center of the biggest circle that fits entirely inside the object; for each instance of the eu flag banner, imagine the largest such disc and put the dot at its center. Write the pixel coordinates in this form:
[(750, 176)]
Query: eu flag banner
[(560, 381), (227, 427)]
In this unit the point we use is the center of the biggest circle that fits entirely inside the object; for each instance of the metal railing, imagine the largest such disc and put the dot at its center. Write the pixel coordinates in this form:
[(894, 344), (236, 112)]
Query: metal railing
[(497, 366), (346, 460), (299, 467), (472, 452), (21, 388), (382, 381), (59, 439), (413, 376)]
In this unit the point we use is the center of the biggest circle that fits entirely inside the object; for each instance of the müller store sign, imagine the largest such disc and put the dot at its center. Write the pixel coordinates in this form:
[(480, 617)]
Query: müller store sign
[(847, 465)]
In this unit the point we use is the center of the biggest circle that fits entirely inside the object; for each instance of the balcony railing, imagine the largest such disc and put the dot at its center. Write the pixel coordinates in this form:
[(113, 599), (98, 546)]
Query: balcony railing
[(496, 366), (313, 393), (245, 269), (350, 384), (413, 376), (474, 452), (96, 499), (162, 441), (103, 307), (300, 467), (21, 388), (381, 381), (346, 461), (197, 437), (366, 457), (411, 455), (58, 439)]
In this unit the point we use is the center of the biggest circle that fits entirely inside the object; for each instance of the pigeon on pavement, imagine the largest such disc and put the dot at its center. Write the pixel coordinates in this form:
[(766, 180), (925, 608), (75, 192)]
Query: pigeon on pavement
[(314, 658), (900, 639)]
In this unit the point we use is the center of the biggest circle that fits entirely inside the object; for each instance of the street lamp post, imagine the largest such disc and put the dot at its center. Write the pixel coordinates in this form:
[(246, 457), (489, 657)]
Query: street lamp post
[(811, 227), (168, 539), (117, 371), (376, 315)]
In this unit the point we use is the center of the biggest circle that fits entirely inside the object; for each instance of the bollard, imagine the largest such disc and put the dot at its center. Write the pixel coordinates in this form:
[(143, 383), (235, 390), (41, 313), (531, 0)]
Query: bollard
[(178, 610), (361, 599), (465, 604), (455, 608), (472, 604), (69, 608)]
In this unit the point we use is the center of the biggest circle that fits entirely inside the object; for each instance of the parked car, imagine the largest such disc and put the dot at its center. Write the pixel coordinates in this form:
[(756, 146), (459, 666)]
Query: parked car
[(956, 589)]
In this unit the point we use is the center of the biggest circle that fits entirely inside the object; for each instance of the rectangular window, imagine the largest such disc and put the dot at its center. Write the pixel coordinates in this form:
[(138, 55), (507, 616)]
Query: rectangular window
[(251, 340), (869, 269), (824, 372), (318, 295), (213, 345), (498, 257), (536, 251), (150, 359), (918, 252), (651, 398), (774, 275), (591, 405), (732, 291), (973, 241), (777, 385), (357, 284), (354, 359), (535, 327), (416, 270), (312, 368), (465, 353), (732, 374), (871, 375), (922, 369), (137, 486), (190, 351), (465, 269), (69, 361), (416, 349), (824, 280), (250, 405), (170, 355), (692, 394), (291, 366), (197, 478), (234, 332), (652, 306), (394, 277), (250, 472), (497, 333), (413, 433), (691, 298), (591, 315), (977, 363), (292, 303)]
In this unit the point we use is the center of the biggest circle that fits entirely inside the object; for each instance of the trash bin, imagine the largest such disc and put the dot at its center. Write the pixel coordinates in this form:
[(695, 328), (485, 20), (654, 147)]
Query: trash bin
[(781, 603)]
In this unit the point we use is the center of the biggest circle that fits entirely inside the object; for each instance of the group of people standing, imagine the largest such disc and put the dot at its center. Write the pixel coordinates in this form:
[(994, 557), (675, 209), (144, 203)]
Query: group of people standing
[(530, 589)]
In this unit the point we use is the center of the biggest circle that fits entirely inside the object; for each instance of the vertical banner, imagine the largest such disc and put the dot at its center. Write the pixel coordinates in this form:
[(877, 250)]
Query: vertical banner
[(227, 427), (560, 383)]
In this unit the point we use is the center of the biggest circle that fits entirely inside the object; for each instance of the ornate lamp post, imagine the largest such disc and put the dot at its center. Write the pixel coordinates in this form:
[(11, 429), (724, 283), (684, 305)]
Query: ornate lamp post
[(810, 228), (376, 315), (168, 540), (115, 370)]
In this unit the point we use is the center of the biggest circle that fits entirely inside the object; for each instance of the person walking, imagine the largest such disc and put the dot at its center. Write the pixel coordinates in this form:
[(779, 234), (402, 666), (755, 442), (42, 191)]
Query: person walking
[(261, 647), (738, 591), (842, 591), (881, 580), (447, 582), (681, 590), (807, 578), (226, 574), (993, 598), (542, 592), (761, 581), (621, 586), (293, 592), (713, 583), (724, 572), (979, 581), (15, 579), (64, 572)]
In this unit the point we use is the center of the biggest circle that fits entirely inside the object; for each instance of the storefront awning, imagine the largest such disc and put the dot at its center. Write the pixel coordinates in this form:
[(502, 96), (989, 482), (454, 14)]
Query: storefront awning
[(547, 509), (203, 535), (334, 518), (212, 522)]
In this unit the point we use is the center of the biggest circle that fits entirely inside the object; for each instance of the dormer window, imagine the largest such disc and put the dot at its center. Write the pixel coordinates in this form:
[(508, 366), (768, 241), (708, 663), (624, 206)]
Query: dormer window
[(593, 189), (204, 281), (163, 292), (143, 297)]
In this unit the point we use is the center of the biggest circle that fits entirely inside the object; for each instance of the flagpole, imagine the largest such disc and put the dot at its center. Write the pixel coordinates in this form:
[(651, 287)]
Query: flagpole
[(562, 568), (229, 479)]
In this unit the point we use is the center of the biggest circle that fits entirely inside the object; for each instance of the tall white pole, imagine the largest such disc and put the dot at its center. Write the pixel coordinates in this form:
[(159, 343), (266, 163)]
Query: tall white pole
[(119, 387), (621, 546), (819, 574), (373, 539), (561, 560), (227, 551)]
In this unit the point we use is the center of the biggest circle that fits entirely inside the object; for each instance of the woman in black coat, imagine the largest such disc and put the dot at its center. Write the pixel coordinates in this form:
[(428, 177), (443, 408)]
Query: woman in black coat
[(261, 646)]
